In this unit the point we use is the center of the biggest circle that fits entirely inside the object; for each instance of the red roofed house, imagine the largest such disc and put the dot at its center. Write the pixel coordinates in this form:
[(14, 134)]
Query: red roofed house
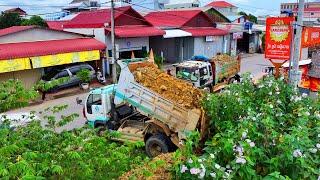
[(132, 30), (19, 11), (224, 7), (28, 52), (57, 25), (188, 33)]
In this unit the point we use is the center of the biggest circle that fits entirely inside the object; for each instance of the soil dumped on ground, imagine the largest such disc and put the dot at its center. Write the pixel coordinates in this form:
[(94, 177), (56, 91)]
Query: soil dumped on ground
[(176, 90), (158, 169)]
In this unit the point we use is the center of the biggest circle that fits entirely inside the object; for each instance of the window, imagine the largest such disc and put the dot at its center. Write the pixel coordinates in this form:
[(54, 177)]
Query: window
[(93, 4), (75, 70), (312, 14), (62, 74), (203, 72), (93, 99)]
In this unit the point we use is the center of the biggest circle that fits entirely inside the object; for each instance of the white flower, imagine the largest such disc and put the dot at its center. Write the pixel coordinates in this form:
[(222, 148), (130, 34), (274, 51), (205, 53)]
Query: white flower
[(297, 153), (270, 93), (195, 171), (200, 160), (212, 156), (307, 113), (304, 95), (248, 140), (244, 134), (226, 175), (252, 144), (279, 101), (239, 150), (313, 150), (190, 161), (228, 166), (217, 166), (183, 169), (277, 93), (202, 167), (318, 135), (271, 106), (213, 174), (318, 146), (241, 160), (202, 174), (254, 118)]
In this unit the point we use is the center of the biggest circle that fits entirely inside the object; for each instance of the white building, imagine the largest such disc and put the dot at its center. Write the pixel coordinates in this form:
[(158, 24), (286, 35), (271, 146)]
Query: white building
[(180, 4)]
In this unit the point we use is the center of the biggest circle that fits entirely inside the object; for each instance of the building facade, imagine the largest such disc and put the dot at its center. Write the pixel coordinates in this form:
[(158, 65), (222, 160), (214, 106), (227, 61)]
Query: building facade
[(27, 51), (188, 33), (132, 30)]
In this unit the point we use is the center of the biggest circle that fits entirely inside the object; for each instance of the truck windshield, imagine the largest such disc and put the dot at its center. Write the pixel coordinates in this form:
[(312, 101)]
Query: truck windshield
[(93, 99), (187, 74)]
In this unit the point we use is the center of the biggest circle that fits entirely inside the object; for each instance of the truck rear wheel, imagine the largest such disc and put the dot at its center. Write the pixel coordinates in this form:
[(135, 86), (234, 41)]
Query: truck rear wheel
[(157, 144)]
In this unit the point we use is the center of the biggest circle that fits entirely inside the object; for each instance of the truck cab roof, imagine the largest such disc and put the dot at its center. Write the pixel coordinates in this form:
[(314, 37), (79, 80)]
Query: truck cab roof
[(192, 64), (104, 90)]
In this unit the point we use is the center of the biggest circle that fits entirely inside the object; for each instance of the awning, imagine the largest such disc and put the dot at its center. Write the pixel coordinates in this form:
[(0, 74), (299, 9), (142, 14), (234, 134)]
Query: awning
[(31, 55), (44, 48), (205, 31), (136, 31), (172, 33)]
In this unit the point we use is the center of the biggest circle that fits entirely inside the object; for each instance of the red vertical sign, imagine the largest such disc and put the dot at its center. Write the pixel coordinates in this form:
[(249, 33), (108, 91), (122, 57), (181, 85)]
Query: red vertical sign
[(278, 38)]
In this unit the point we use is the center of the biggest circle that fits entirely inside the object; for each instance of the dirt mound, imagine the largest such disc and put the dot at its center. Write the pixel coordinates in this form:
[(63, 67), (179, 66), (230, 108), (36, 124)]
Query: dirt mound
[(168, 86), (158, 169)]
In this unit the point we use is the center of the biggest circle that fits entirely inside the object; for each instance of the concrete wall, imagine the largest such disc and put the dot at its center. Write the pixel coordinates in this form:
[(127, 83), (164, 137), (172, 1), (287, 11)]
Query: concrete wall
[(28, 77), (37, 35), (209, 49), (128, 44)]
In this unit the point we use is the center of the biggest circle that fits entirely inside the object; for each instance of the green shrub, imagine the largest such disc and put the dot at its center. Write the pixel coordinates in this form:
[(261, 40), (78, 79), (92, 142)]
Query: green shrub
[(44, 86), (14, 95), (84, 75), (266, 131), (34, 152)]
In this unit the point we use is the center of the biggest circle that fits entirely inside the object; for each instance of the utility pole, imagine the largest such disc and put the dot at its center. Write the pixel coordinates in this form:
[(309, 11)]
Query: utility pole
[(294, 77), (114, 58)]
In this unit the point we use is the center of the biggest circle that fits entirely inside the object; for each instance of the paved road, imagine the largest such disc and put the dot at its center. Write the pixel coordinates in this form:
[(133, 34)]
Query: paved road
[(73, 107), (253, 64)]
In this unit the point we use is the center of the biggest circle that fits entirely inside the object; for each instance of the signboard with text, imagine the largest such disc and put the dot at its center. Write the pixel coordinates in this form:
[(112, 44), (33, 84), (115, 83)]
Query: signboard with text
[(310, 36), (278, 38)]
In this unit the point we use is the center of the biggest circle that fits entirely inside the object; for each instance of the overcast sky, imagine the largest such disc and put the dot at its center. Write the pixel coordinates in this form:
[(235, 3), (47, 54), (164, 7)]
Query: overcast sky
[(257, 7)]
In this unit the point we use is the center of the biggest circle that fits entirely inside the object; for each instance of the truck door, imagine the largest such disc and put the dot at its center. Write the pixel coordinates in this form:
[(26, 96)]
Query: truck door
[(94, 108)]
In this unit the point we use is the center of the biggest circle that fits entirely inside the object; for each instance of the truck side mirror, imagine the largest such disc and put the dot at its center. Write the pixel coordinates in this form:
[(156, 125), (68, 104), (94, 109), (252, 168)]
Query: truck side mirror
[(79, 101)]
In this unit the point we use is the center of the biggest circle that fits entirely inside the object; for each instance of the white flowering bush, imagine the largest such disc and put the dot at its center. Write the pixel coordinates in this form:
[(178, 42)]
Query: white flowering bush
[(258, 131)]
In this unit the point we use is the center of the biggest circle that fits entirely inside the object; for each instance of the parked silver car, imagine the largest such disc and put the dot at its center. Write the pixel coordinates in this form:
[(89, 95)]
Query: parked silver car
[(71, 72)]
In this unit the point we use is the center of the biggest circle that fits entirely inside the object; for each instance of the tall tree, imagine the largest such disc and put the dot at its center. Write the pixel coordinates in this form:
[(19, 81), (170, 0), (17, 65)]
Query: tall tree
[(35, 20), (249, 17), (9, 19)]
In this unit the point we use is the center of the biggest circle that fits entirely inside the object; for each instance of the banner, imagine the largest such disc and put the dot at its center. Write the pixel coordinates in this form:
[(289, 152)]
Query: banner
[(310, 36), (66, 58), (14, 65), (278, 38)]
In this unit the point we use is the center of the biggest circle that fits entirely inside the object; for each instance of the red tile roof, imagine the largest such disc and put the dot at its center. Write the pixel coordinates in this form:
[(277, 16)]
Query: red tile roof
[(42, 48), (171, 18), (14, 29), (136, 31), (205, 31), (56, 25), (94, 19), (220, 4)]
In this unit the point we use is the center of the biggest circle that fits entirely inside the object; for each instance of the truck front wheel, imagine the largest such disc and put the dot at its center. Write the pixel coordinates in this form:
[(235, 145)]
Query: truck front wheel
[(156, 145)]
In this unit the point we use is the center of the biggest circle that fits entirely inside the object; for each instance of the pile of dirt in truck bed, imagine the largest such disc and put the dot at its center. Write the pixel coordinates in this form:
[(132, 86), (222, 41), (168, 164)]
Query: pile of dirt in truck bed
[(223, 58), (169, 87), (158, 169)]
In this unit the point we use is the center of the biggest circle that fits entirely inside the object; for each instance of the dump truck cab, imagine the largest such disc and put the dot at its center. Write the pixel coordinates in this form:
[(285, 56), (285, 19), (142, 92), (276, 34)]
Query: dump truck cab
[(198, 73)]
